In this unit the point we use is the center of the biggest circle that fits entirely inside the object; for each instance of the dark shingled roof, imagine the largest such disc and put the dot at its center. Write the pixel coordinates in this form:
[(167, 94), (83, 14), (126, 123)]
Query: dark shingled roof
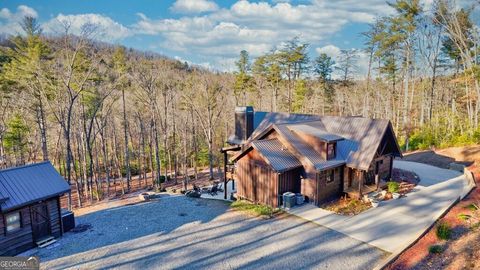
[(277, 155), (24, 185)]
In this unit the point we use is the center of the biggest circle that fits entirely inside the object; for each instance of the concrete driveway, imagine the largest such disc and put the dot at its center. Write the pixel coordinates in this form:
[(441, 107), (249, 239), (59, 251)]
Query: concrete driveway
[(182, 233), (397, 223)]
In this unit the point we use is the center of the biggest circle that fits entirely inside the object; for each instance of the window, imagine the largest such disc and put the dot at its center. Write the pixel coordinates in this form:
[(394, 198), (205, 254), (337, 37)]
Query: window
[(330, 176), (13, 221), (330, 151)]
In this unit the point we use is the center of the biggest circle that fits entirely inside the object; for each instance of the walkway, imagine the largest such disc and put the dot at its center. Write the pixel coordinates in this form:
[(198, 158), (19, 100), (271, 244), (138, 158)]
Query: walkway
[(397, 223)]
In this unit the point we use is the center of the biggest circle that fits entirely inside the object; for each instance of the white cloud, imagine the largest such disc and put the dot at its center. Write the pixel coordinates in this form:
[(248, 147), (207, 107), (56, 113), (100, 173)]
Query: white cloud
[(218, 36), (107, 29), (193, 6), (330, 50), (257, 26), (10, 21)]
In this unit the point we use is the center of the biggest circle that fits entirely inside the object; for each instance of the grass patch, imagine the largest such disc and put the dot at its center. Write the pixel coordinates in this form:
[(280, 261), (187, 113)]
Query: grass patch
[(435, 249), (347, 206), (444, 231), (256, 209)]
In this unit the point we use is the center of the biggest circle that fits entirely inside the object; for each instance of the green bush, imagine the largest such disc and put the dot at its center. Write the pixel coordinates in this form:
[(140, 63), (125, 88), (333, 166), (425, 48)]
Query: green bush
[(444, 231), (393, 187), (440, 137), (435, 249)]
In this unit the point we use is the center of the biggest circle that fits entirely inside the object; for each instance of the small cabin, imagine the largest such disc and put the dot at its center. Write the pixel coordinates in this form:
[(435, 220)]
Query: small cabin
[(30, 206)]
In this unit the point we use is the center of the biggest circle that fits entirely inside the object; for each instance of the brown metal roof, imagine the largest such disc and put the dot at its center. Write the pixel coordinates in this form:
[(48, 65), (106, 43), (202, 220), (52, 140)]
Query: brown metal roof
[(277, 155), (306, 151), (361, 137), (316, 132), (281, 118), (24, 185)]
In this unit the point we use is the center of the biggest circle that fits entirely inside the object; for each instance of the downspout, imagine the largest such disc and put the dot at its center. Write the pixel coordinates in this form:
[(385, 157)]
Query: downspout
[(279, 196)]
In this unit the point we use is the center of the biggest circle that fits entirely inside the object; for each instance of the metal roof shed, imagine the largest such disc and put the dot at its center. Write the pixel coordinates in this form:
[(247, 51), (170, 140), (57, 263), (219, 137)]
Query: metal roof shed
[(27, 184), (30, 207)]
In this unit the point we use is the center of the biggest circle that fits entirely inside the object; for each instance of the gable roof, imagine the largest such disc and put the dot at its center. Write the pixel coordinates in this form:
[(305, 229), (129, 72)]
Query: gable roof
[(358, 138), (321, 134), (276, 155), (269, 118), (24, 185)]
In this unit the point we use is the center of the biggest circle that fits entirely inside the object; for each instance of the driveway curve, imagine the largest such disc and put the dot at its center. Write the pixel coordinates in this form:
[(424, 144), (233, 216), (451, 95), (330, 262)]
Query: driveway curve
[(395, 224)]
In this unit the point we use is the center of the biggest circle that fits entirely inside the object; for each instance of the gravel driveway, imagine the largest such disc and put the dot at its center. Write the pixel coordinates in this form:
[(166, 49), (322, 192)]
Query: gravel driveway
[(182, 233)]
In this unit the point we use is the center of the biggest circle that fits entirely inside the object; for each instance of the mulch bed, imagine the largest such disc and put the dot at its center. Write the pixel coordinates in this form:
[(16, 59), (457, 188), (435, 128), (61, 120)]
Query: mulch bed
[(407, 180), (399, 175), (347, 206), (460, 252)]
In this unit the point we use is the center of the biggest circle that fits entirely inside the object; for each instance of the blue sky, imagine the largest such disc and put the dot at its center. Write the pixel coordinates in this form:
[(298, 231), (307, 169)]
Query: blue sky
[(206, 32)]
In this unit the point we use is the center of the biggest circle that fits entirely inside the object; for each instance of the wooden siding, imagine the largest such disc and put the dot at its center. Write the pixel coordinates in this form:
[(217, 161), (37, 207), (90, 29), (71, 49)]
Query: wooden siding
[(22, 240), (327, 191), (18, 241), (318, 145), (289, 181), (258, 182), (53, 212), (384, 167), (352, 177)]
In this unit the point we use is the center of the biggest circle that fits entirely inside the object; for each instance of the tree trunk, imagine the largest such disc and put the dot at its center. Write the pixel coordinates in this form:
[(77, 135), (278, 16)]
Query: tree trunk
[(125, 137)]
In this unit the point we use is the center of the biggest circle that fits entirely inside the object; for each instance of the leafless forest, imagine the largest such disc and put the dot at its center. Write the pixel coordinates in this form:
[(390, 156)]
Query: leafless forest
[(103, 113)]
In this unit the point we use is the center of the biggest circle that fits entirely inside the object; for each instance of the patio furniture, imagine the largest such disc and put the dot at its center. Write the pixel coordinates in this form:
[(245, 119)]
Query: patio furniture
[(195, 193), (213, 191)]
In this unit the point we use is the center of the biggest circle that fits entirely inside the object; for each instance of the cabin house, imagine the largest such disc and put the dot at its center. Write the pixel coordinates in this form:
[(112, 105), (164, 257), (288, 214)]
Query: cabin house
[(322, 157), (29, 206)]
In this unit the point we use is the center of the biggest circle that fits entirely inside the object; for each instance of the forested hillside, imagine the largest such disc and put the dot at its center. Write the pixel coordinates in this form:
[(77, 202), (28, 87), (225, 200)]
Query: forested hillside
[(101, 111)]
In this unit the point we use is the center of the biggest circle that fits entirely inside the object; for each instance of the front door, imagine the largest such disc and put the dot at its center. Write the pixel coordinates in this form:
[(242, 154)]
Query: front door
[(40, 221)]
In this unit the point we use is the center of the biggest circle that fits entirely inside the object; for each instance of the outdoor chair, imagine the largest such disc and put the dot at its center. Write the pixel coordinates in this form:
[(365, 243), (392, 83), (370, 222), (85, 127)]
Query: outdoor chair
[(213, 191)]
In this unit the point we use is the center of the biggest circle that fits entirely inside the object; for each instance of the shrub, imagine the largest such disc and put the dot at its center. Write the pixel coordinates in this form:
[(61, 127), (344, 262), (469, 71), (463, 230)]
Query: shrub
[(444, 231), (393, 187), (435, 249), (473, 218)]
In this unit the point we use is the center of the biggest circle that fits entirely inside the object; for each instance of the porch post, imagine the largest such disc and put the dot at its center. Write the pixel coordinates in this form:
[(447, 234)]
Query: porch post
[(360, 184), (225, 174), (391, 167)]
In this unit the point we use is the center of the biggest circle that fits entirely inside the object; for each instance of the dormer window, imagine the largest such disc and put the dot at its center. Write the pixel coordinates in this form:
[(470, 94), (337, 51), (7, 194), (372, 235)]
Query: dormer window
[(331, 151)]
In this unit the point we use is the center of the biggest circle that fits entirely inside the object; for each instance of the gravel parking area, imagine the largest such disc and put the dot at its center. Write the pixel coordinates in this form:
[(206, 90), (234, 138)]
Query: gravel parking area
[(183, 233)]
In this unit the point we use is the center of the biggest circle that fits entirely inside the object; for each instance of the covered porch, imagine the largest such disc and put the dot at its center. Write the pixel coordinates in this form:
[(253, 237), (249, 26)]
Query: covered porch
[(358, 183), (358, 192)]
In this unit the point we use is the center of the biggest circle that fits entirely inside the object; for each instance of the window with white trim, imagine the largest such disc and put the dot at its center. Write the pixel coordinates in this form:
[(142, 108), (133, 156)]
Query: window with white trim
[(13, 222)]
